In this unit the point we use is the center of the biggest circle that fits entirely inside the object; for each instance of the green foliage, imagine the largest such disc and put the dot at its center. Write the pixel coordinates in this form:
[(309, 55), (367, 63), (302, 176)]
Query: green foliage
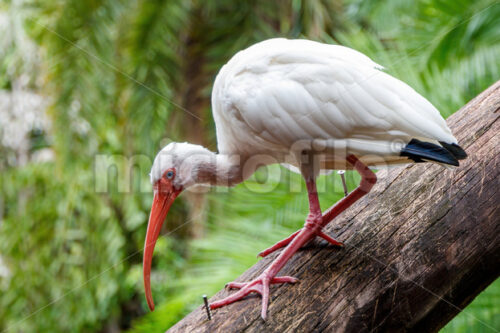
[(117, 74), (52, 234)]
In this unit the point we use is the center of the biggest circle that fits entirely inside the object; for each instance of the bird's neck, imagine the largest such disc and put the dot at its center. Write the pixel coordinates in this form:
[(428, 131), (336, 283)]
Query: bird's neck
[(218, 170)]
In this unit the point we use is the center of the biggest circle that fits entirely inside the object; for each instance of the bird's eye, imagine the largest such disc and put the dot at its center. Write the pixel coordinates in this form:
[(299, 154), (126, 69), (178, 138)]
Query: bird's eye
[(169, 174)]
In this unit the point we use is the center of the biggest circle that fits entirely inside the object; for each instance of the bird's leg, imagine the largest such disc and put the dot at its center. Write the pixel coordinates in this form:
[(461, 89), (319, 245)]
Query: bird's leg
[(261, 284), (368, 179)]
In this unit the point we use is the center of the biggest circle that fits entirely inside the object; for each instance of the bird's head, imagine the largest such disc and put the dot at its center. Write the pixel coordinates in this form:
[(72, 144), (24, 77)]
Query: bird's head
[(174, 169)]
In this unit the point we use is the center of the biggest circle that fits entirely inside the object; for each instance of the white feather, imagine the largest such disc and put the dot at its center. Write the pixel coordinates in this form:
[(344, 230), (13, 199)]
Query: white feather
[(278, 92)]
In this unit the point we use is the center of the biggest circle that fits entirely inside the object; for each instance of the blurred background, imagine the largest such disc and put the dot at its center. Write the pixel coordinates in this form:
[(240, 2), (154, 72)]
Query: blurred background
[(114, 78)]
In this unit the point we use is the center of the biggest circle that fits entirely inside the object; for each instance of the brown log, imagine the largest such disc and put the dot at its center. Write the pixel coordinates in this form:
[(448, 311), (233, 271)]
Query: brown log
[(418, 249)]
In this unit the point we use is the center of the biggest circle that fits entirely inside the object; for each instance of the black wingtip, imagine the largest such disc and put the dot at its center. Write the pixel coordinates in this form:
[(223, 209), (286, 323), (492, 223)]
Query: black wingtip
[(455, 150), (421, 151)]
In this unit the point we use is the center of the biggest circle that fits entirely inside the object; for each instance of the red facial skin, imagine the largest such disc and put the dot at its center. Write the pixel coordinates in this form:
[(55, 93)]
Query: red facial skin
[(164, 196)]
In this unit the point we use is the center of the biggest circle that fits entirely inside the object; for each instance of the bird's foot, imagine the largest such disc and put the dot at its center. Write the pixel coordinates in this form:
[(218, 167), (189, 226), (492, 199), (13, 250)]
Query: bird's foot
[(259, 285), (287, 240)]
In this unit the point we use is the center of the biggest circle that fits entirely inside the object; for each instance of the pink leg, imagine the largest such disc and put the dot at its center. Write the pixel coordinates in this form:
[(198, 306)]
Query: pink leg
[(368, 179), (314, 223)]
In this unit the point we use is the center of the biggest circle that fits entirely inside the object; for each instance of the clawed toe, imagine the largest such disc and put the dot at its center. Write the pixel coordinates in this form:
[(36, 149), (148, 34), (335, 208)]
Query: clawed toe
[(284, 279), (330, 240), (235, 285), (259, 285), (287, 241)]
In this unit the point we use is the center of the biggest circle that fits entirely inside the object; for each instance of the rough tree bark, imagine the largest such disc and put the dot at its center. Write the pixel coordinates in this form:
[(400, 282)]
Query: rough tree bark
[(418, 249)]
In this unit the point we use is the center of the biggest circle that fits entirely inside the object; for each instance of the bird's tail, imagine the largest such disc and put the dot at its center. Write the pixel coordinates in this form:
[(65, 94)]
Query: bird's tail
[(455, 150), (422, 151)]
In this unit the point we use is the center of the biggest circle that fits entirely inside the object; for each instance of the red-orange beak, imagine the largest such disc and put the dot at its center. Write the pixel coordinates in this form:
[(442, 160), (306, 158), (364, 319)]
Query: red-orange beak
[(164, 196)]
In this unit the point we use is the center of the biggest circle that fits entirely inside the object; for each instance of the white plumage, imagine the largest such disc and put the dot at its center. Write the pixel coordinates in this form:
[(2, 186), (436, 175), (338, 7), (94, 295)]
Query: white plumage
[(278, 92)]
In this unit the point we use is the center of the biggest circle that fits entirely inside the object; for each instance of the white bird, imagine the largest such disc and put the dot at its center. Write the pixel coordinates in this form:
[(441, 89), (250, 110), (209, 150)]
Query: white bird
[(312, 106)]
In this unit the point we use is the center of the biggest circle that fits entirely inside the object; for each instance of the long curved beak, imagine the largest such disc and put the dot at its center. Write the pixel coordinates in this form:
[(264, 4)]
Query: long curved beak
[(161, 205)]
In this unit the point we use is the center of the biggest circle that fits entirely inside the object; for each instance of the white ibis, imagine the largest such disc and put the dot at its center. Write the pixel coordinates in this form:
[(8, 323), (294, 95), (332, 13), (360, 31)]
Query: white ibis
[(293, 101)]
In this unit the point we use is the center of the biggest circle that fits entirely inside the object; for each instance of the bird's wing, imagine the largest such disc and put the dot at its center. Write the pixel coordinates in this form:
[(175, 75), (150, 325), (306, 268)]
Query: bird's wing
[(289, 92)]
